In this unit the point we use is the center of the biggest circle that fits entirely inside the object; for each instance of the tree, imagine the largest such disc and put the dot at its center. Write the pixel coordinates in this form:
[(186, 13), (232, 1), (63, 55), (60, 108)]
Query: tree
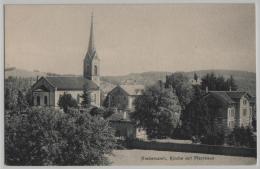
[(21, 101), (12, 87), (45, 136), (66, 101), (86, 97), (231, 84), (218, 83), (157, 110), (183, 88), (10, 98), (95, 111), (209, 80), (196, 117), (108, 112)]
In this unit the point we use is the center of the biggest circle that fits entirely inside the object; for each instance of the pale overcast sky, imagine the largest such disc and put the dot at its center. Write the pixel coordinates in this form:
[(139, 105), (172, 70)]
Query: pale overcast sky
[(131, 38)]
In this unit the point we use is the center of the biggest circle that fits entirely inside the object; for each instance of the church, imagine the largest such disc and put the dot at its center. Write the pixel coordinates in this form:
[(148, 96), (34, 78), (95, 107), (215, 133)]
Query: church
[(47, 90)]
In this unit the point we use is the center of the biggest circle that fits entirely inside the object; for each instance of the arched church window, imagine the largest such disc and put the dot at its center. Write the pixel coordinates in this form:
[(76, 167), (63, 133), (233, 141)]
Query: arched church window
[(45, 100), (38, 100), (95, 70)]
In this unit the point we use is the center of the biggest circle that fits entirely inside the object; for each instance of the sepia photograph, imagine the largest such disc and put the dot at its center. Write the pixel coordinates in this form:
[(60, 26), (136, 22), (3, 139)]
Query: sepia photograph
[(130, 84)]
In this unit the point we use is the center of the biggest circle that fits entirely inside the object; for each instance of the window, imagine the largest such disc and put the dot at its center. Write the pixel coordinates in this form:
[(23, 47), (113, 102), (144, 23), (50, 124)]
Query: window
[(233, 112), (244, 102), (230, 112), (244, 112), (45, 100), (38, 101), (94, 98), (95, 70)]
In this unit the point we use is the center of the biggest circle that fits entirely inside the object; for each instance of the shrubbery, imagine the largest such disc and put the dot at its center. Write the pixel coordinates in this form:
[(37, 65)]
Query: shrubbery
[(213, 139), (242, 137), (66, 101), (44, 136)]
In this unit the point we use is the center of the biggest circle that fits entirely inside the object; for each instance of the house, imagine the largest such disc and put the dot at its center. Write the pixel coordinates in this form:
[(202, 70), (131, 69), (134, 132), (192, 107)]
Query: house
[(122, 125), (230, 109), (122, 96), (47, 90), (121, 99)]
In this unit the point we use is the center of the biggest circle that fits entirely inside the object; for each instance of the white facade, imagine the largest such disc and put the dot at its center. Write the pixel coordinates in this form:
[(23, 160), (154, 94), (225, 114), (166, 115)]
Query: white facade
[(245, 112), (43, 98)]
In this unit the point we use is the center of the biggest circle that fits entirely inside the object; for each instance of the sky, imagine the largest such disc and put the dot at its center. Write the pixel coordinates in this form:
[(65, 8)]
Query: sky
[(131, 38)]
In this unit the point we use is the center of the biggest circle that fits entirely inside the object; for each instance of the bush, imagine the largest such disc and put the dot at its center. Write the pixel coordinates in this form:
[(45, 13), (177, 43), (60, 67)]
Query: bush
[(242, 137), (44, 136), (213, 139), (66, 101)]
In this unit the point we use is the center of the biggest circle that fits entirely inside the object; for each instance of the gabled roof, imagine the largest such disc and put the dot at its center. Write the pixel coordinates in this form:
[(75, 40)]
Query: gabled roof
[(71, 83), (132, 90), (228, 96), (222, 96), (236, 94)]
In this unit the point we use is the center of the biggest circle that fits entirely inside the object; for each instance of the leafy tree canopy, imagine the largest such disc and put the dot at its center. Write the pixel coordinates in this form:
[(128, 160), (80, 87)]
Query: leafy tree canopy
[(182, 87), (157, 110), (45, 136), (218, 83), (66, 101)]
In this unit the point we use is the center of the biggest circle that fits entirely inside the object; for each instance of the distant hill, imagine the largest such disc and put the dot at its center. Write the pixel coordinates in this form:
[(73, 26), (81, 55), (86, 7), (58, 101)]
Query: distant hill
[(146, 78), (15, 72), (246, 81)]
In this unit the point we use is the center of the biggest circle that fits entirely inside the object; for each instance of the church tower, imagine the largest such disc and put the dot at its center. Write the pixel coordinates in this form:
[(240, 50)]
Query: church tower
[(91, 68)]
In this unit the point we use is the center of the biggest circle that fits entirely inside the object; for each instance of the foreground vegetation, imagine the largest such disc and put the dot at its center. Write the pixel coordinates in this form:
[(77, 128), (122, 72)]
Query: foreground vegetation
[(44, 136)]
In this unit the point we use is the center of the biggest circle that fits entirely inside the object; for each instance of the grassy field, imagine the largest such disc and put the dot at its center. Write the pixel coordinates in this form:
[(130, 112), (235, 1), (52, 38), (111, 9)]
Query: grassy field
[(152, 157)]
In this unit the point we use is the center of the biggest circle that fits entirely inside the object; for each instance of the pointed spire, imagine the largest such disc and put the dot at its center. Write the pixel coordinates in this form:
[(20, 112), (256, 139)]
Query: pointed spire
[(91, 45)]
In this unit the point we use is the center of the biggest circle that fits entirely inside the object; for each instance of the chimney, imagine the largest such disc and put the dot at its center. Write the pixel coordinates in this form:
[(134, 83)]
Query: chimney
[(207, 89)]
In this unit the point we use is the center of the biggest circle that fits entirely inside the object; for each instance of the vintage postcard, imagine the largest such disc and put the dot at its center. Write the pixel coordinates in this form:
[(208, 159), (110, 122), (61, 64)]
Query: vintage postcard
[(130, 84)]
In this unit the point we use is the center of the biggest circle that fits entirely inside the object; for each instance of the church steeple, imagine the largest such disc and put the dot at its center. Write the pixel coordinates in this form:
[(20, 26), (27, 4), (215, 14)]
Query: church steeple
[(91, 69), (91, 44)]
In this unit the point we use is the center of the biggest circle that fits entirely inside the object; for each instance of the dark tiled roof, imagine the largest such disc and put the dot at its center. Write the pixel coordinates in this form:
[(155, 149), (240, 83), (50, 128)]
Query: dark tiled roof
[(133, 90), (235, 94), (229, 96), (222, 96), (71, 83)]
